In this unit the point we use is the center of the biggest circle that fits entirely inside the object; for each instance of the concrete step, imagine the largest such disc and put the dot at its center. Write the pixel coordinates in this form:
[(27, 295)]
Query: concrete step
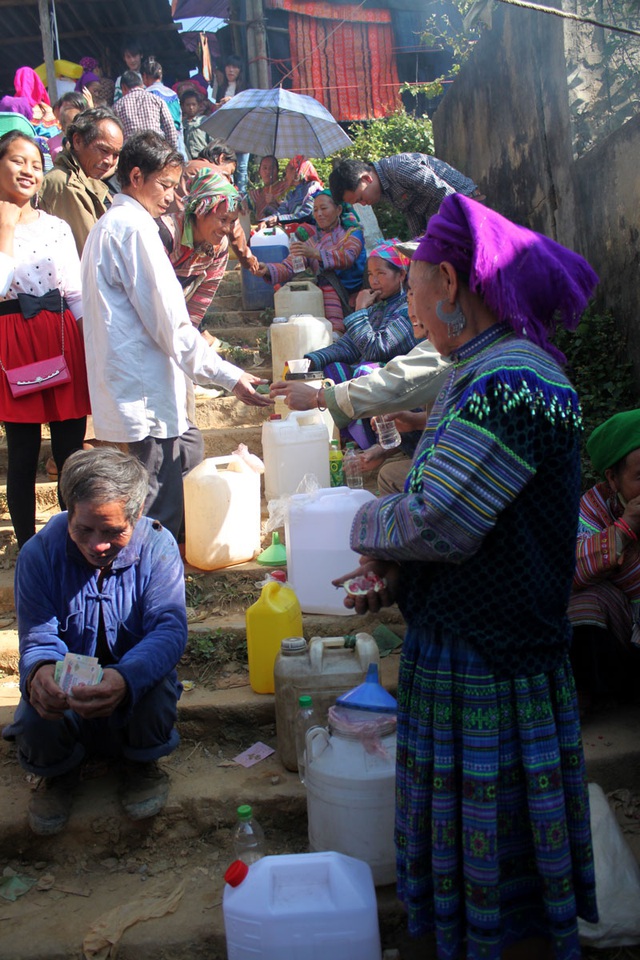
[(238, 317), (245, 335), (227, 412), (220, 442)]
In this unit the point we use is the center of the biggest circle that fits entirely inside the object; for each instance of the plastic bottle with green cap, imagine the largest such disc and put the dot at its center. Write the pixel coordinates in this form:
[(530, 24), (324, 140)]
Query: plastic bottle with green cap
[(248, 837), (305, 719)]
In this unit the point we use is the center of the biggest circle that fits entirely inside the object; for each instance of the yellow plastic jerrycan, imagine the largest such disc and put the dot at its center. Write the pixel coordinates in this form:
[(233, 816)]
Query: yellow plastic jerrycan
[(274, 616)]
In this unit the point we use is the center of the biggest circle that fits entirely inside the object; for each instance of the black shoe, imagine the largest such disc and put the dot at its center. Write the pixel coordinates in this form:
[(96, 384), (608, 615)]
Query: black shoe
[(50, 805), (144, 790)]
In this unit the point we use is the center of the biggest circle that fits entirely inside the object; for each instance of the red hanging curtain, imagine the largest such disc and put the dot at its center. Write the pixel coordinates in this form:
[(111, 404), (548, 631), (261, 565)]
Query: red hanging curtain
[(348, 66)]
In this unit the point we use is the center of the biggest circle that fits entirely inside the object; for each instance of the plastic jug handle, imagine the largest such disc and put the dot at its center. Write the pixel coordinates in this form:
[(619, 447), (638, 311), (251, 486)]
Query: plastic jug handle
[(316, 742), (366, 650), (318, 646)]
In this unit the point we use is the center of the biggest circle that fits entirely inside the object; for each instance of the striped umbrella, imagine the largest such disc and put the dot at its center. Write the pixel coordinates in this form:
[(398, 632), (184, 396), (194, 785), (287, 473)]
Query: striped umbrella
[(277, 123)]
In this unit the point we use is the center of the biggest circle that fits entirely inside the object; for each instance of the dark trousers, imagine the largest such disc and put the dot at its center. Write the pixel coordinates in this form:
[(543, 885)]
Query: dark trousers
[(23, 449), (51, 747), (166, 461)]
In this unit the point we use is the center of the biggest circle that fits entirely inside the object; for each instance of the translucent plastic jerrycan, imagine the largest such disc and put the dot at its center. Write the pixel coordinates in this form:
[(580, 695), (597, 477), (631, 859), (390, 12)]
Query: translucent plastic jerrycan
[(350, 778), (292, 448), (323, 669), (299, 335), (317, 531), (301, 906), (222, 513), (274, 616), (297, 297)]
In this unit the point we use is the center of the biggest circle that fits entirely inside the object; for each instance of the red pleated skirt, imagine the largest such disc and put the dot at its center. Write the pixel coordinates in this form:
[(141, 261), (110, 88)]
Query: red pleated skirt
[(39, 338)]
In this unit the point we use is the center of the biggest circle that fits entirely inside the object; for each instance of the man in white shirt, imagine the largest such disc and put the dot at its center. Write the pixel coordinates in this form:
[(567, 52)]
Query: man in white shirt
[(139, 341)]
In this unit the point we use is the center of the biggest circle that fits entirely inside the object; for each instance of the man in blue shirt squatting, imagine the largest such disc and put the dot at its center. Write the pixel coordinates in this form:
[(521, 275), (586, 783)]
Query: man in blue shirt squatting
[(104, 581)]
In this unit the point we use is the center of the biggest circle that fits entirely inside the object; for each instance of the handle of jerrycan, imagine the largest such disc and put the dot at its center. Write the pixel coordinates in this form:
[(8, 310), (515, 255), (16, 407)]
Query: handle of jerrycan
[(316, 742), (233, 462), (317, 647)]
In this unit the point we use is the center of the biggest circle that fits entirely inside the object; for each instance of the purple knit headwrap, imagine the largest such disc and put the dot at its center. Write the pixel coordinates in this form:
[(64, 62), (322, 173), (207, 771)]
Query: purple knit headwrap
[(526, 279)]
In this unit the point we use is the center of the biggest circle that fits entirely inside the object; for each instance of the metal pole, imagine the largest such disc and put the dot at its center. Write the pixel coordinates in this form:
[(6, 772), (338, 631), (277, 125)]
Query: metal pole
[(47, 49)]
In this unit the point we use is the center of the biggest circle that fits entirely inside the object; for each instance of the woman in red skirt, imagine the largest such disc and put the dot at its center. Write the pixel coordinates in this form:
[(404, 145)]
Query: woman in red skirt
[(40, 312)]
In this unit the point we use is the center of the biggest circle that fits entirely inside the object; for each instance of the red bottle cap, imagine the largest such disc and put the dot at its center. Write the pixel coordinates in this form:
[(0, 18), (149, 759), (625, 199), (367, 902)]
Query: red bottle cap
[(236, 873), (275, 416)]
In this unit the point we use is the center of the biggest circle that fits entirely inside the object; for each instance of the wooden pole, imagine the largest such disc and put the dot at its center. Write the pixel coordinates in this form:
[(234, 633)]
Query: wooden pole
[(251, 45), (47, 49), (264, 78)]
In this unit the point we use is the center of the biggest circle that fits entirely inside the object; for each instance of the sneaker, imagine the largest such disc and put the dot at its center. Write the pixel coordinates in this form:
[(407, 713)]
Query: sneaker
[(144, 790), (50, 805)]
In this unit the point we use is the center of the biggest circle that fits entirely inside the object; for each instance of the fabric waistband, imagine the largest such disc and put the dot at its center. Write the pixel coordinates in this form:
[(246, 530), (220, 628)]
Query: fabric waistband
[(48, 301)]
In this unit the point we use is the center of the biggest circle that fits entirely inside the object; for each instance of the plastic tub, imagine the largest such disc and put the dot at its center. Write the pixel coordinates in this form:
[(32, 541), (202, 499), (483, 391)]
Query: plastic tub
[(305, 906), (269, 246), (292, 448), (317, 531), (222, 513), (323, 669)]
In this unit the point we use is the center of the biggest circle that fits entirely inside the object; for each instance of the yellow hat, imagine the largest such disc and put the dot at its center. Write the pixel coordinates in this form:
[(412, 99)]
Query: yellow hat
[(62, 68)]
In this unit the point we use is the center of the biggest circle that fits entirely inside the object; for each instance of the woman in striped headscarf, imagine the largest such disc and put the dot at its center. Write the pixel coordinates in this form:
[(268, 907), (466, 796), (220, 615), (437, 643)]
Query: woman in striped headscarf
[(197, 239)]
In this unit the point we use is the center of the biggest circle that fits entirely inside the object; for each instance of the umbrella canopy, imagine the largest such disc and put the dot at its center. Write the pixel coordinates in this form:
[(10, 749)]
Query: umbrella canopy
[(277, 122)]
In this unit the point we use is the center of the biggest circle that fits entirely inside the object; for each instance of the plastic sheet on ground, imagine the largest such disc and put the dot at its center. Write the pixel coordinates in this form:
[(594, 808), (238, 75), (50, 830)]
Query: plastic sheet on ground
[(103, 936)]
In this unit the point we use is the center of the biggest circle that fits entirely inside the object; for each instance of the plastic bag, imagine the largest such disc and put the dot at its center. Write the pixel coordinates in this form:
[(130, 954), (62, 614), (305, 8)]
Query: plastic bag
[(369, 732), (617, 880), (249, 458), (279, 507)]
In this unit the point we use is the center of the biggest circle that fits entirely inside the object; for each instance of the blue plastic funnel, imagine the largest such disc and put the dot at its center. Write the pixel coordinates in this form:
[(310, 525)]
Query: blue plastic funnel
[(370, 695)]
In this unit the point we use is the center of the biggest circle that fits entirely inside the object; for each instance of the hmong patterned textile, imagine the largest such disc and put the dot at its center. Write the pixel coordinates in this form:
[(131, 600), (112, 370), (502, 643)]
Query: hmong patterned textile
[(376, 335), (351, 70), (492, 825), (598, 566), (492, 809)]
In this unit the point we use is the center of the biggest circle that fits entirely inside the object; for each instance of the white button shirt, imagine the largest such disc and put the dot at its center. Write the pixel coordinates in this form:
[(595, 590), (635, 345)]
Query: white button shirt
[(139, 340)]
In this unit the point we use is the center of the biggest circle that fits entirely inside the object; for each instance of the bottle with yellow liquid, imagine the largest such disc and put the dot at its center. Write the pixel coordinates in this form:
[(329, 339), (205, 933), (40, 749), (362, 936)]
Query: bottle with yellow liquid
[(274, 616)]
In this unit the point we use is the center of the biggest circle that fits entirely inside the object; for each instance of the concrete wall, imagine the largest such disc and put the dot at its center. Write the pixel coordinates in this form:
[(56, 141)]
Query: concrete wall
[(505, 122)]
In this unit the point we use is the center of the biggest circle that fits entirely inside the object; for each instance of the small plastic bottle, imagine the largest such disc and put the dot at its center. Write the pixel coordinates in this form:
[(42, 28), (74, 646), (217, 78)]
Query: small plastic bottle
[(305, 719), (248, 837), (335, 464), (352, 468)]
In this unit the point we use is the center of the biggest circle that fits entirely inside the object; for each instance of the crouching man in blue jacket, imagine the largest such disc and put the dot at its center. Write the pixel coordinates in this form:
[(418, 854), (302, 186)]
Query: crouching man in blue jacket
[(104, 581)]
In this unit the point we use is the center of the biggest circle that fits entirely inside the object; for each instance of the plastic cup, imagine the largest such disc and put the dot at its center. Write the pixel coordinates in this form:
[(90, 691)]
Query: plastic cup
[(388, 435)]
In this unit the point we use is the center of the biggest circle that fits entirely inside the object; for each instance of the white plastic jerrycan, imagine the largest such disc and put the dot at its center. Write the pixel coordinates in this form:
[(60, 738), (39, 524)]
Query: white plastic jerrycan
[(317, 531), (292, 448), (297, 297), (299, 335), (301, 906), (222, 513)]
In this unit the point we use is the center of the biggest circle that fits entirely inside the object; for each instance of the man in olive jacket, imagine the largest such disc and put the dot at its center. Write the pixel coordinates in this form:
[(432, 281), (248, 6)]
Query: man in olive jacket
[(75, 189)]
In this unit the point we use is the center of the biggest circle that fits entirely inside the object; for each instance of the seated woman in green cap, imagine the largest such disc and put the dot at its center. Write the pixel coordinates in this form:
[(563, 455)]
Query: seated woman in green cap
[(605, 604)]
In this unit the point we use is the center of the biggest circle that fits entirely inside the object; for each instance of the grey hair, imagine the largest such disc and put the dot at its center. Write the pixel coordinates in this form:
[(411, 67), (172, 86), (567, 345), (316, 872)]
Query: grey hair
[(87, 124), (104, 475)]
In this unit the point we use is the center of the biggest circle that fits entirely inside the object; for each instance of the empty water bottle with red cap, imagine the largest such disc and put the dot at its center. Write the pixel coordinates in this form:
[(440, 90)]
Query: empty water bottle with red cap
[(248, 837)]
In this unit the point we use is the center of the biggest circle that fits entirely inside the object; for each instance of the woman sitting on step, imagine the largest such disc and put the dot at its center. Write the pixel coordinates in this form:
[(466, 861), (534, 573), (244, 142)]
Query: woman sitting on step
[(197, 240), (333, 250)]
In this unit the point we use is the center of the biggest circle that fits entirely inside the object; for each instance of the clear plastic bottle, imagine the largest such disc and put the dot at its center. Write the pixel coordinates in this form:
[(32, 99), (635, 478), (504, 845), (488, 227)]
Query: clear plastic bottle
[(248, 837), (305, 719), (352, 468), (335, 464)]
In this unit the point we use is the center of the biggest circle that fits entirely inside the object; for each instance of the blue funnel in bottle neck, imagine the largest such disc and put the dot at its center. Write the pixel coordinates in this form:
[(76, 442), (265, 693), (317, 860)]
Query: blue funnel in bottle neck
[(370, 695)]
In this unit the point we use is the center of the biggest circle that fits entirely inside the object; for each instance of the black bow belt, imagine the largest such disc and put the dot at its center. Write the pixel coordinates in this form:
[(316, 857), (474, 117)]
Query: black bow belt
[(30, 306)]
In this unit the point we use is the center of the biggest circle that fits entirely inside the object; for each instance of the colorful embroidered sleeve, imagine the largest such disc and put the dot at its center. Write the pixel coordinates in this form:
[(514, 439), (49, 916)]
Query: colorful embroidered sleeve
[(298, 204), (597, 551), (388, 339), (343, 350), (468, 469), (281, 272), (239, 245), (343, 255)]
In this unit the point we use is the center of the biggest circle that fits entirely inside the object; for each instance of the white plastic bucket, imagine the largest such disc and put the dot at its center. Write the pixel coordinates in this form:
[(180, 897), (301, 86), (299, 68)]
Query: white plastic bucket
[(299, 335), (351, 799), (292, 448), (297, 297), (306, 906), (222, 513), (317, 531), (323, 670)]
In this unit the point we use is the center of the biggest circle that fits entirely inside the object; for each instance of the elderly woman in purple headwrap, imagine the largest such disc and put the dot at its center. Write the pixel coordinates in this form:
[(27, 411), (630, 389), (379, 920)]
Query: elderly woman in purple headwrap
[(492, 818)]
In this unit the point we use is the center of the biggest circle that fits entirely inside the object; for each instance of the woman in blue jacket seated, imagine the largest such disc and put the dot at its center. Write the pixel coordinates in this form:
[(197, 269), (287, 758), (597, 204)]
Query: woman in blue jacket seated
[(379, 330)]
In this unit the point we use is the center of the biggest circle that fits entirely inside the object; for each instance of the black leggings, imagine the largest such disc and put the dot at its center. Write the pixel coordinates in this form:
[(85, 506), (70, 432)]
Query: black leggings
[(23, 449)]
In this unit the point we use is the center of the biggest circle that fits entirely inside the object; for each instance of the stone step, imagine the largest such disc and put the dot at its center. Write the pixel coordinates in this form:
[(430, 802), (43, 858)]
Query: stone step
[(220, 442), (237, 317), (227, 412), (247, 336)]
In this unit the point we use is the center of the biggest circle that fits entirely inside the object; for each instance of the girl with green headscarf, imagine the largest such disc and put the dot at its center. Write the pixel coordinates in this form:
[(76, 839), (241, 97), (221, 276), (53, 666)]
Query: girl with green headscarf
[(198, 238)]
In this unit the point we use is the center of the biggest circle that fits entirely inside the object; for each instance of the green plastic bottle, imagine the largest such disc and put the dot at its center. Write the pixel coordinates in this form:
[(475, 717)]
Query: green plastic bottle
[(335, 464)]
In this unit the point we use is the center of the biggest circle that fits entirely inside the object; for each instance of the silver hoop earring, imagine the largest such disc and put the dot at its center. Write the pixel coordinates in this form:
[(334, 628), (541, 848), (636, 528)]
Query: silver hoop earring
[(455, 321)]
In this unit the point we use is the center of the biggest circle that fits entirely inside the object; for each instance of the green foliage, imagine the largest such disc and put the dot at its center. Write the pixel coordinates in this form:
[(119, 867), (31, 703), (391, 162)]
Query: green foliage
[(601, 371), (444, 28)]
